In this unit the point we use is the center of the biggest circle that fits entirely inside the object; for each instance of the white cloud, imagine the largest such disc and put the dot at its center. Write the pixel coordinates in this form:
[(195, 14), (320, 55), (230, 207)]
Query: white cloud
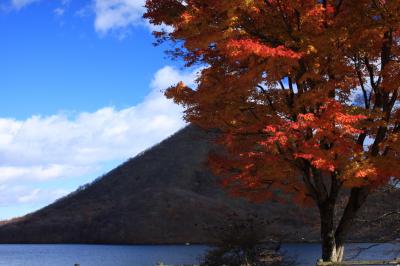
[(112, 15), (37, 195), (84, 12), (168, 76), (31, 196), (62, 9), (119, 16), (41, 172), (59, 12), (42, 148), (11, 195), (46, 149), (18, 4)]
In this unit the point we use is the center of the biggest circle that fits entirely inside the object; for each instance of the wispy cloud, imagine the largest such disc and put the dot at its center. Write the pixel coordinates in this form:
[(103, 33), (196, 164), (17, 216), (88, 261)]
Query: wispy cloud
[(59, 12), (84, 11), (18, 4), (42, 149), (62, 8), (118, 15), (12, 195)]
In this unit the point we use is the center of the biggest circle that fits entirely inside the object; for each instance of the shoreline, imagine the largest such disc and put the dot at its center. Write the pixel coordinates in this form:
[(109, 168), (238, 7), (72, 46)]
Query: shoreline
[(192, 244)]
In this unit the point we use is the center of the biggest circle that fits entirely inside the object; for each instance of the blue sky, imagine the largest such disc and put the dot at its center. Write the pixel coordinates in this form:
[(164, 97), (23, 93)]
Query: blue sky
[(80, 86), (67, 63)]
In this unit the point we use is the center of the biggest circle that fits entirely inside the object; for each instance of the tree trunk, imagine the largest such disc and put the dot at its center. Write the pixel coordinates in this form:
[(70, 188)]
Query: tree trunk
[(339, 251), (357, 198), (332, 250), (329, 248), (333, 239)]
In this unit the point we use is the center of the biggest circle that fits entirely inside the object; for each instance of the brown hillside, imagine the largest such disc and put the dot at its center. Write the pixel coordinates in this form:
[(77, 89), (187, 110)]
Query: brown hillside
[(167, 195)]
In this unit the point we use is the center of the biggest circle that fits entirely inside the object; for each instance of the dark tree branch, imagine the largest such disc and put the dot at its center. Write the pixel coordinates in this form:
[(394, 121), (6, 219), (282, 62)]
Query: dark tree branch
[(358, 195), (380, 218)]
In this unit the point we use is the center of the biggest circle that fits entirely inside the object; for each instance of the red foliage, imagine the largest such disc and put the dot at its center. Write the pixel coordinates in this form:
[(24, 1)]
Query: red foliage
[(302, 91)]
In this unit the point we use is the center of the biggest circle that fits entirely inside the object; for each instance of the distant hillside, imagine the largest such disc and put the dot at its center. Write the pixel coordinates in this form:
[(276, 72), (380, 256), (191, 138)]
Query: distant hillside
[(167, 195)]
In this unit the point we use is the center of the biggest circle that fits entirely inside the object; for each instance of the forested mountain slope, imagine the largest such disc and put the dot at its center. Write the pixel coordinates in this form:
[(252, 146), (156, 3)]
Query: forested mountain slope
[(168, 195)]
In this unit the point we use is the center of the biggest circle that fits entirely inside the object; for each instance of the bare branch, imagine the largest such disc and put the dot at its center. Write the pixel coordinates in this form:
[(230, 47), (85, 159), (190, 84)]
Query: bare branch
[(380, 218)]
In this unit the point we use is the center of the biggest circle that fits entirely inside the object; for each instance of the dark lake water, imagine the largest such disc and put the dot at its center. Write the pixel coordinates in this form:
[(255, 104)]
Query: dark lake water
[(107, 255)]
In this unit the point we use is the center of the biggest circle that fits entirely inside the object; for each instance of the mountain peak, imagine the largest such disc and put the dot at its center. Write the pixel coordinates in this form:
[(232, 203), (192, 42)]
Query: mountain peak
[(164, 195)]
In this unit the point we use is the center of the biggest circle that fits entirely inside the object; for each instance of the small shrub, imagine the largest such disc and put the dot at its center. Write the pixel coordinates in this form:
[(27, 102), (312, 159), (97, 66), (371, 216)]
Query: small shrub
[(240, 243)]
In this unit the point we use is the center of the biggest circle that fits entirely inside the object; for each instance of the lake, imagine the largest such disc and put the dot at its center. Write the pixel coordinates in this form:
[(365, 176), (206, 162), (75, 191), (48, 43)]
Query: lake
[(114, 255)]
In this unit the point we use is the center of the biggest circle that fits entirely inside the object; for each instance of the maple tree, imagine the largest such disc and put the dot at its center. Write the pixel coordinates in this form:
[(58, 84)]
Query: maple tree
[(304, 93)]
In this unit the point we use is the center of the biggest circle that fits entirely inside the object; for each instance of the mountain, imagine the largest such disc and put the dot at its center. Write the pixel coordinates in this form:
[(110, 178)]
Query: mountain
[(167, 195)]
